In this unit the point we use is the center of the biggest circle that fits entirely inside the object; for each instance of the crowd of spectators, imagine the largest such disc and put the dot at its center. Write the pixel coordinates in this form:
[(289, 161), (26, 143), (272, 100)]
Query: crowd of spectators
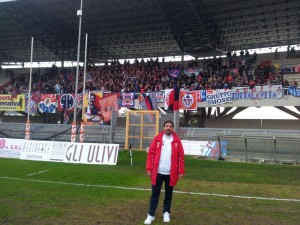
[(152, 75)]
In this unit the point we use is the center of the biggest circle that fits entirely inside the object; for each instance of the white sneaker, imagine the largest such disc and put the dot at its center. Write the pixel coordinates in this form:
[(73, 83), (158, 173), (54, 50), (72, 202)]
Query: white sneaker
[(149, 219), (166, 217)]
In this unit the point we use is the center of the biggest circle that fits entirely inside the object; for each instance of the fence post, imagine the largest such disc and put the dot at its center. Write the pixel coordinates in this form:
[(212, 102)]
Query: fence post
[(275, 150), (27, 130), (112, 126), (246, 150), (81, 136)]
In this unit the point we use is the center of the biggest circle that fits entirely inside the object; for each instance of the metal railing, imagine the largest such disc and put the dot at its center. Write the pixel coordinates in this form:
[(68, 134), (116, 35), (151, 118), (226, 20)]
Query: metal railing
[(249, 145)]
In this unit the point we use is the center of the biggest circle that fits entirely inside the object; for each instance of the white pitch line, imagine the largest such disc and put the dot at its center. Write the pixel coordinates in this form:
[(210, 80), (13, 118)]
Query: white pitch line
[(28, 175), (146, 189)]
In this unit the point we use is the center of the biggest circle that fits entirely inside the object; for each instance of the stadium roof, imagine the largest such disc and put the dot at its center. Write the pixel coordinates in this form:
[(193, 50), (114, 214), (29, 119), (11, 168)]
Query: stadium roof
[(121, 29)]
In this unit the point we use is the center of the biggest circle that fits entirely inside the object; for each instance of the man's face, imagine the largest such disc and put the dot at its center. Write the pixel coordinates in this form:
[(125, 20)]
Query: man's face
[(168, 128)]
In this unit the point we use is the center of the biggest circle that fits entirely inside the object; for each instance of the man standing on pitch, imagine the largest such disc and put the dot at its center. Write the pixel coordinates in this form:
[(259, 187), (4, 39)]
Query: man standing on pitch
[(165, 163)]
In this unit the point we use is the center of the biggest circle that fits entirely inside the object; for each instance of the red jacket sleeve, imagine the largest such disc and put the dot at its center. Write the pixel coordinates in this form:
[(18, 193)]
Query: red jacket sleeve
[(150, 156), (181, 159)]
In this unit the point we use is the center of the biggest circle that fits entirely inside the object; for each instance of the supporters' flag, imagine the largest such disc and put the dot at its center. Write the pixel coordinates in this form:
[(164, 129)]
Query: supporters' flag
[(128, 99), (47, 103), (68, 99), (92, 112), (65, 114), (169, 98), (201, 95), (176, 98), (109, 104), (160, 96), (152, 96), (95, 98), (145, 101), (235, 71), (79, 100), (220, 96), (174, 73), (189, 72), (88, 78), (33, 105), (188, 100), (36, 97)]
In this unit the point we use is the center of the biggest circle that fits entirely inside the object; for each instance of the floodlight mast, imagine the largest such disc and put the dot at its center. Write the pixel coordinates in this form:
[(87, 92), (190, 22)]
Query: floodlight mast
[(79, 13)]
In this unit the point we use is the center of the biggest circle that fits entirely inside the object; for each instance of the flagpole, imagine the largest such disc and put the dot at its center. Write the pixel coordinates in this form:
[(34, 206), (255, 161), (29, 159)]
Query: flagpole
[(27, 131), (73, 134), (84, 72)]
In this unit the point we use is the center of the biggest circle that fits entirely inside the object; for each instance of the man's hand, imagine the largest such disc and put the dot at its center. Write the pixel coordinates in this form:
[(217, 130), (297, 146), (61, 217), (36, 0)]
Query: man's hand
[(149, 173), (180, 176)]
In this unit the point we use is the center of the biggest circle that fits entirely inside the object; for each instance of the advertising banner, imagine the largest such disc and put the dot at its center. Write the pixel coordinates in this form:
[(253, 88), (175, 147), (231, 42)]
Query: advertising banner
[(205, 148), (91, 153), (11, 148), (12, 102)]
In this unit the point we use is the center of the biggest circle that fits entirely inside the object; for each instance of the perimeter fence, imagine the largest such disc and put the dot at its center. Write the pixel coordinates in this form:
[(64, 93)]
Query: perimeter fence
[(248, 145)]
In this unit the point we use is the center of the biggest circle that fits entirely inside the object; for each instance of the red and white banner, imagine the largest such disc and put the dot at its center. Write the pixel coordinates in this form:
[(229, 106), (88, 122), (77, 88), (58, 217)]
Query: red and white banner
[(188, 100), (108, 106), (47, 103), (169, 98)]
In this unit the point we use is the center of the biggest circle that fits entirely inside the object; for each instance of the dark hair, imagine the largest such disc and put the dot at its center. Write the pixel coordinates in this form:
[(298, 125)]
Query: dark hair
[(168, 121)]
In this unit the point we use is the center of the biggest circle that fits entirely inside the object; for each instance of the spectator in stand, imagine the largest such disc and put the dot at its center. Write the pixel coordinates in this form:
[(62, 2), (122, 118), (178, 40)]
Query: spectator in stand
[(276, 55), (254, 57), (247, 55), (288, 52), (294, 83)]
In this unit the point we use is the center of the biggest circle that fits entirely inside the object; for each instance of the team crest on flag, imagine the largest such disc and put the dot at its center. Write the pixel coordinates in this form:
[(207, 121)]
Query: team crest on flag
[(128, 99), (188, 100), (47, 103)]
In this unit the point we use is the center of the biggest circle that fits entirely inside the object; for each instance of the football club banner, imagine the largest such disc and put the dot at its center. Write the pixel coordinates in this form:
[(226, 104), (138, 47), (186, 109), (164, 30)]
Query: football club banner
[(108, 106), (128, 99), (294, 91), (92, 108), (169, 98), (189, 72), (47, 103), (188, 100), (220, 96), (258, 92), (66, 99), (33, 107), (160, 96), (174, 73), (201, 95), (12, 102)]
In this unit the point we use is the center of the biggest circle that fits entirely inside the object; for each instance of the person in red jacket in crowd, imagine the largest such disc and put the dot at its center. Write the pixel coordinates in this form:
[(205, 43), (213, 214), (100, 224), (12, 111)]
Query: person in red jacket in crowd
[(165, 163)]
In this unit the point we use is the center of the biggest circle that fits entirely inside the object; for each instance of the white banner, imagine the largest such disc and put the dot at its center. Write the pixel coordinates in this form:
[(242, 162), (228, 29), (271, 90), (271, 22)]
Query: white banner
[(90, 153), (220, 96), (257, 92), (36, 150), (11, 148), (204, 148)]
